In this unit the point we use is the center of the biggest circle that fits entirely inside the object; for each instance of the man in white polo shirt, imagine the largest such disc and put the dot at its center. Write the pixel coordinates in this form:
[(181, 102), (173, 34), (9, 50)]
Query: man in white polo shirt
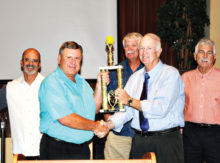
[(23, 106)]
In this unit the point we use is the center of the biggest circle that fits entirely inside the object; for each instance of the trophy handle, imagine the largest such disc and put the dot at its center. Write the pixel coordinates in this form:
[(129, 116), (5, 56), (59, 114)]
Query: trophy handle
[(120, 85), (104, 94)]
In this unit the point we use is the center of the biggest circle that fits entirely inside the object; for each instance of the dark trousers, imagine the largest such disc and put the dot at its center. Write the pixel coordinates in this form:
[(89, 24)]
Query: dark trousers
[(52, 149), (201, 143), (167, 147), (98, 147)]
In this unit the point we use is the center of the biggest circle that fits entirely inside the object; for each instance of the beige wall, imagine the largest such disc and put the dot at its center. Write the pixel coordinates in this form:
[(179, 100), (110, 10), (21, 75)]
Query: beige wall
[(8, 150), (215, 27)]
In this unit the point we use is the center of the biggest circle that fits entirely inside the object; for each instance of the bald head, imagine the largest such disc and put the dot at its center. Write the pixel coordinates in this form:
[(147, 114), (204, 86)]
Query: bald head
[(31, 50)]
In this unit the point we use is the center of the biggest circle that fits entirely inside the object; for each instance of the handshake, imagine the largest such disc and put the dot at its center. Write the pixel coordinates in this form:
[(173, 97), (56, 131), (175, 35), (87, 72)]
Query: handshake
[(102, 128)]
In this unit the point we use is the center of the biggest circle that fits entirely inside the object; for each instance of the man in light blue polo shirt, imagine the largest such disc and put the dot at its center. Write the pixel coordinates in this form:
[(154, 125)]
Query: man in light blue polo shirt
[(67, 108)]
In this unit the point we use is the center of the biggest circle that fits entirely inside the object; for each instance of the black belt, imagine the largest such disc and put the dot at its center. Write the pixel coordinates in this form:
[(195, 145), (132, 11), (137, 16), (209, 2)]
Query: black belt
[(54, 139), (61, 141), (154, 133), (201, 125)]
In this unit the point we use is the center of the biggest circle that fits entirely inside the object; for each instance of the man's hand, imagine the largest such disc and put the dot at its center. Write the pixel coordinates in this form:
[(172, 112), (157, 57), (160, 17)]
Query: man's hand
[(103, 76), (122, 96), (101, 129)]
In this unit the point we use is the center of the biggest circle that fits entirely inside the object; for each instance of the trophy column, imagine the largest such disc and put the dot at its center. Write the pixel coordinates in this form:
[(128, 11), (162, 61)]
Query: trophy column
[(104, 95), (120, 85)]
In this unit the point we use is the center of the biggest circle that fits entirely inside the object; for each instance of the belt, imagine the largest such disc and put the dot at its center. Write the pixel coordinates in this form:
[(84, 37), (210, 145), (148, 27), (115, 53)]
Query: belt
[(55, 139), (154, 133), (201, 125), (61, 141)]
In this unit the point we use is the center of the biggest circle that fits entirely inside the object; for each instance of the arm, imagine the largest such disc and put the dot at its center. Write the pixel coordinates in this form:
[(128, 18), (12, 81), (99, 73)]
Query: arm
[(162, 96), (117, 120), (75, 121), (123, 96)]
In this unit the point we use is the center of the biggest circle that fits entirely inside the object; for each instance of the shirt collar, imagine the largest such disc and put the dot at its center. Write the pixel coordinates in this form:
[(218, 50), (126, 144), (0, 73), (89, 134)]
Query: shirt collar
[(207, 74), (24, 82), (66, 79), (128, 68), (153, 72), (126, 65), (22, 79)]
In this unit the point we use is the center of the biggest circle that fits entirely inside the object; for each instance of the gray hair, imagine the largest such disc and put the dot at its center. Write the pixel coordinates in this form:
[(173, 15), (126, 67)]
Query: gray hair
[(205, 42), (132, 36)]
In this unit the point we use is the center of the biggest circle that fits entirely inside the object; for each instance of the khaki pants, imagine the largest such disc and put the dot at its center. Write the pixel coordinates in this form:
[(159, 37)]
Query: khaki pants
[(117, 147)]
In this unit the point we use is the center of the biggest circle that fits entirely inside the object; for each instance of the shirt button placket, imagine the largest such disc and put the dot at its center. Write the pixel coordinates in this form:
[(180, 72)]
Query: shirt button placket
[(201, 99)]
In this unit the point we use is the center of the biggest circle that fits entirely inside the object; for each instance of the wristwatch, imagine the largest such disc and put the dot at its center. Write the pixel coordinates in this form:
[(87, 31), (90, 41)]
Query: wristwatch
[(130, 100)]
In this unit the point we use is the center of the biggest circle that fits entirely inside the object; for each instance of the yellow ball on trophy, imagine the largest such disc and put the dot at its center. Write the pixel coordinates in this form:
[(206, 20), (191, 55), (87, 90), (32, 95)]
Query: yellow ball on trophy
[(109, 40)]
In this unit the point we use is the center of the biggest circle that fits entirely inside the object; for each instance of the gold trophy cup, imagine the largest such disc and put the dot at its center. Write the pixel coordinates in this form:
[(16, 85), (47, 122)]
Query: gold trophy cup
[(108, 97)]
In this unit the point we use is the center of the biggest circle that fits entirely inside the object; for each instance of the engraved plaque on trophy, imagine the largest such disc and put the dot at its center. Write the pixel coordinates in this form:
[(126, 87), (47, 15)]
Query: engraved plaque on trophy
[(109, 102)]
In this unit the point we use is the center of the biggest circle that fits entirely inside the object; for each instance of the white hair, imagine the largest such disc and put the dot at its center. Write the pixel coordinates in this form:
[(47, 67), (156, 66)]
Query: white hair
[(205, 42), (156, 38)]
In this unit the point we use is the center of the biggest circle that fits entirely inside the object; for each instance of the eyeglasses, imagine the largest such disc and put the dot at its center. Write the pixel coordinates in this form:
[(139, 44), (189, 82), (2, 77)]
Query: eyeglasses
[(33, 60)]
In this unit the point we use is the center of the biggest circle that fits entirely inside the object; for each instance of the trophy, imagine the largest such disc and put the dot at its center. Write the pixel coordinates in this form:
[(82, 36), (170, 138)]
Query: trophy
[(108, 97)]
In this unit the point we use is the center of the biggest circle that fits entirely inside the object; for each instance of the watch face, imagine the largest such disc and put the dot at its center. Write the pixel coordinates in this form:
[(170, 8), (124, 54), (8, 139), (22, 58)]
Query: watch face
[(130, 101)]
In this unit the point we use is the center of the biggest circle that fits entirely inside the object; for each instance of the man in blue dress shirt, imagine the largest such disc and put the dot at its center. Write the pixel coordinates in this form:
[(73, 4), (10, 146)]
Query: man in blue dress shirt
[(118, 144), (67, 108), (163, 107)]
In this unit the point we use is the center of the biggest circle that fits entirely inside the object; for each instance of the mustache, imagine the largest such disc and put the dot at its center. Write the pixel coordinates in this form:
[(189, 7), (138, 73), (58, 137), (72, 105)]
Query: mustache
[(130, 51), (30, 66), (205, 60)]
